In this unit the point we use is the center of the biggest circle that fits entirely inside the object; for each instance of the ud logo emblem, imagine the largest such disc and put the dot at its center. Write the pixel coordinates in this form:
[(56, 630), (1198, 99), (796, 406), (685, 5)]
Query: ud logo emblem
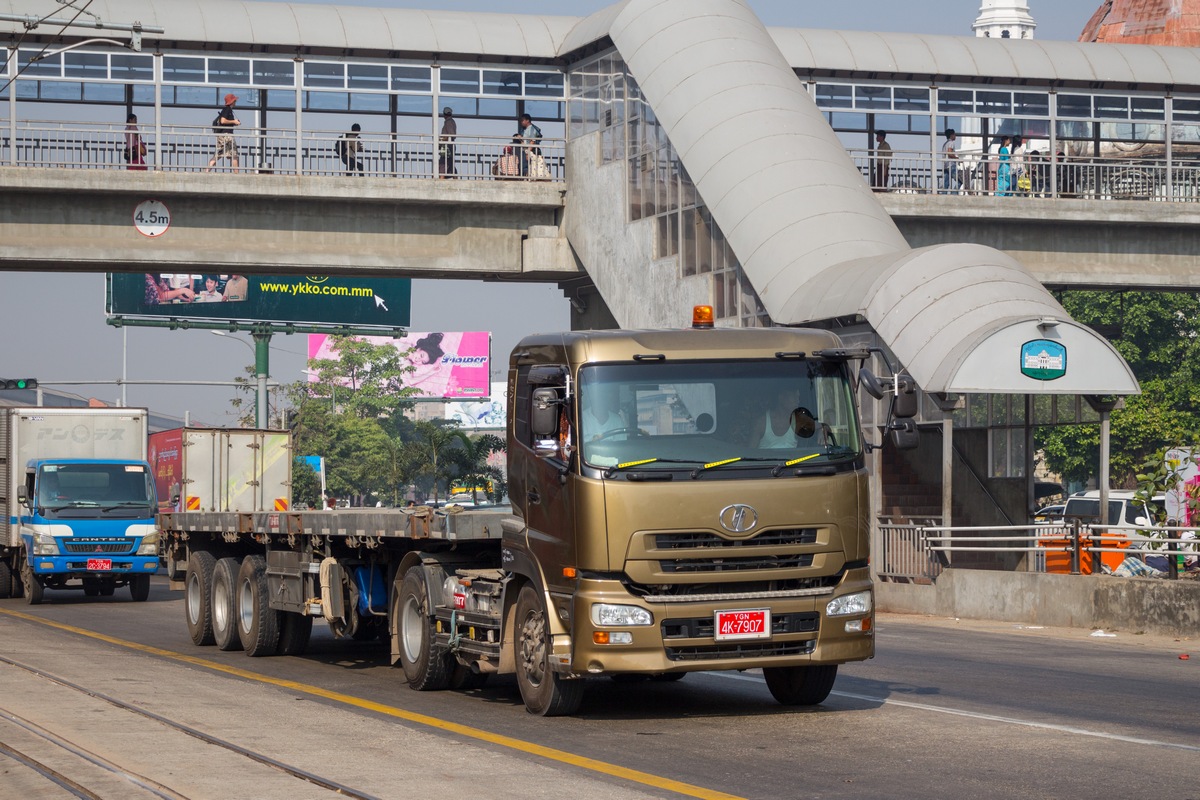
[(738, 518)]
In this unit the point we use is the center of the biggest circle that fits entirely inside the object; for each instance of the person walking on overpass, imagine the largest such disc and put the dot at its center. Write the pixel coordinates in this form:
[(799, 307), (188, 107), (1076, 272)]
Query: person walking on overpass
[(528, 136), (882, 162), (135, 147), (446, 144), (223, 126), (348, 148)]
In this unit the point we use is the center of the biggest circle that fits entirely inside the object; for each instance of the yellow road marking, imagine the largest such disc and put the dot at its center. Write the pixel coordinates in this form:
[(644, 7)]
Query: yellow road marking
[(582, 762)]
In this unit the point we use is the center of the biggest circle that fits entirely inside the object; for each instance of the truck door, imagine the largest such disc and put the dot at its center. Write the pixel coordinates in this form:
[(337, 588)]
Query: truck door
[(543, 479)]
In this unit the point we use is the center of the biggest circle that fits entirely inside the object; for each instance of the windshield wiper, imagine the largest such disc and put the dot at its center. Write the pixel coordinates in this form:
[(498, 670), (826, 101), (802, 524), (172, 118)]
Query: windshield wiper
[(615, 468), (127, 504)]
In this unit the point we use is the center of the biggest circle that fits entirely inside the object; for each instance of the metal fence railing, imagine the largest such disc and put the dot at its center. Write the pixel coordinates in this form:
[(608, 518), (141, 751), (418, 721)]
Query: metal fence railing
[(179, 148), (917, 552), (1050, 175)]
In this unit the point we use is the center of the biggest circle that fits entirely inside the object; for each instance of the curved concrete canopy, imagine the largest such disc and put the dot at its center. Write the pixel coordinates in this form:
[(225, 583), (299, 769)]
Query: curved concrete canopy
[(810, 235)]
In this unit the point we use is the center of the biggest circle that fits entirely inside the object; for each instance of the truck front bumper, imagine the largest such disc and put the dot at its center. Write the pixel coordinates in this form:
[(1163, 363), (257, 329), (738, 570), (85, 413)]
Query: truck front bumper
[(681, 636), (77, 565)]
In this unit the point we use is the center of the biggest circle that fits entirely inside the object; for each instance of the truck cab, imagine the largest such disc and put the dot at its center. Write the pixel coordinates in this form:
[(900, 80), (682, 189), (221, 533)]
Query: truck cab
[(90, 521)]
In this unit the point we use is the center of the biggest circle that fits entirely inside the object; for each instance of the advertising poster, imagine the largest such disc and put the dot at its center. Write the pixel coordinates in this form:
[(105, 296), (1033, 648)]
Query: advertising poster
[(485, 413), (312, 299), (165, 453), (445, 365)]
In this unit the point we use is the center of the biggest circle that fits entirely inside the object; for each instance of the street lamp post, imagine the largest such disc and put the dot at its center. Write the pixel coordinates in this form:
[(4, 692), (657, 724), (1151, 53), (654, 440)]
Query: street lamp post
[(262, 351)]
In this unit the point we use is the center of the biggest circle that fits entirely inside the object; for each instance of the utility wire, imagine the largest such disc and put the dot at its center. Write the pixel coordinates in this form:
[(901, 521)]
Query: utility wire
[(28, 28)]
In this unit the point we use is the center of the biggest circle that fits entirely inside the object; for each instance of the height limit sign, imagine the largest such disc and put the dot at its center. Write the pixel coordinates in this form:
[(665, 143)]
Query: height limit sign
[(151, 218)]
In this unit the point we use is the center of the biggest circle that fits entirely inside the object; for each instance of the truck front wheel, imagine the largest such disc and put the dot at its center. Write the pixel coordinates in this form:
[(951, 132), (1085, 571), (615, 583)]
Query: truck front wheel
[(6, 580), (224, 604), (425, 667), (31, 583), (197, 600), (139, 588), (800, 686), (545, 692)]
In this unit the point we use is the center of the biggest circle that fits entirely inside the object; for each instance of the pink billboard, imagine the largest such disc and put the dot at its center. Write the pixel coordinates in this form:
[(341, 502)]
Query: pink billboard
[(444, 364)]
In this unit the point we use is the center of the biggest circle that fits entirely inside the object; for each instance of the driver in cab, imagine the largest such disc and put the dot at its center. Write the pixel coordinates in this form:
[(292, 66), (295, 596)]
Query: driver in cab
[(602, 416), (784, 423)]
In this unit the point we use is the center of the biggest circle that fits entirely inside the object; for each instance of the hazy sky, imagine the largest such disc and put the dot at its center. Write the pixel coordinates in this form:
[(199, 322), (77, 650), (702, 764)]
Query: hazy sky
[(53, 324)]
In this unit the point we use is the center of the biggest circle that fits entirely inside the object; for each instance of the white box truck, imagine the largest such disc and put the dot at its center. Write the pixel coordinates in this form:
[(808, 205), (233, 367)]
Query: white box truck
[(79, 502)]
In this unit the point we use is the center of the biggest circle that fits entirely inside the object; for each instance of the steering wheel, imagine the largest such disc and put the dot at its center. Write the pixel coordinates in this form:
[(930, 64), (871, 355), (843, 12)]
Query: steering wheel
[(617, 431)]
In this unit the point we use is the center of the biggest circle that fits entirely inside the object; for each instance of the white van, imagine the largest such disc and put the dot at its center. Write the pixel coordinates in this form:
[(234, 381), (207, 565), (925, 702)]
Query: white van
[(1123, 509)]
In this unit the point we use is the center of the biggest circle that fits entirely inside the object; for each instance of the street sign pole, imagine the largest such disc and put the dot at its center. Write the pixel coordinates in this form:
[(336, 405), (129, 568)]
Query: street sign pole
[(262, 350)]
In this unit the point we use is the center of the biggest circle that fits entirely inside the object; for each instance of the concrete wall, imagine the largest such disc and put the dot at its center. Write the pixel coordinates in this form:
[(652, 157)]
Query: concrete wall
[(1129, 605)]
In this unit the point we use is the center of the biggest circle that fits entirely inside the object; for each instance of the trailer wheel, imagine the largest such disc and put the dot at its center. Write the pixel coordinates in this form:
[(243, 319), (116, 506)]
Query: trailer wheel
[(197, 598), (224, 604), (800, 686), (139, 588), (294, 632), (425, 667), (545, 692), (31, 583), (6, 580), (258, 623)]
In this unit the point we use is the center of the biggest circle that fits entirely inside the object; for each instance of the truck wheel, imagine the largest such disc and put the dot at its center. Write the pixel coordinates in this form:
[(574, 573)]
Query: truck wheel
[(31, 583), (425, 666), (224, 604), (6, 580), (197, 596), (91, 587), (139, 588), (258, 623), (107, 587), (800, 686), (294, 632), (546, 693), (464, 679)]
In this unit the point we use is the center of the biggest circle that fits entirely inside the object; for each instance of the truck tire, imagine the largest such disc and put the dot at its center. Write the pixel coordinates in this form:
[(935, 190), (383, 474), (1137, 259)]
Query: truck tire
[(545, 692), (139, 588), (197, 597), (224, 604), (425, 666), (91, 587), (294, 632), (258, 623), (800, 686), (107, 587), (6, 580), (31, 583)]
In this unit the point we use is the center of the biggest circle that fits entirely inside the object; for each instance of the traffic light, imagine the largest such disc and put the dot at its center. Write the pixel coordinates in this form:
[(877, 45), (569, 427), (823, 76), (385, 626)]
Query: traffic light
[(18, 383)]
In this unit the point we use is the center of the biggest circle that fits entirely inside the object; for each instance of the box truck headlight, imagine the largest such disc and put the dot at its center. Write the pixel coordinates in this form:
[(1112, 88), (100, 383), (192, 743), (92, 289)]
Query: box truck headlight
[(149, 545), (849, 604), (608, 615), (45, 545)]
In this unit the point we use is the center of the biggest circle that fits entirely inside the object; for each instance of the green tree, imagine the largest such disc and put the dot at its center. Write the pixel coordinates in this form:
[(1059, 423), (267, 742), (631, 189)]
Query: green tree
[(472, 456), (433, 452), (365, 381), (1158, 333)]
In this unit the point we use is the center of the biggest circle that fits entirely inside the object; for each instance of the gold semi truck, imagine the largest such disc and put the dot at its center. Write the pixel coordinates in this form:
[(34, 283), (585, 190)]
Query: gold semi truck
[(681, 500)]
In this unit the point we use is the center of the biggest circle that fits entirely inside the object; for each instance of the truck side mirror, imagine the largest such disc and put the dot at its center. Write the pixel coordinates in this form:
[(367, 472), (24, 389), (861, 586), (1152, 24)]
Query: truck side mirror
[(906, 397), (905, 435), (543, 417), (22, 497)]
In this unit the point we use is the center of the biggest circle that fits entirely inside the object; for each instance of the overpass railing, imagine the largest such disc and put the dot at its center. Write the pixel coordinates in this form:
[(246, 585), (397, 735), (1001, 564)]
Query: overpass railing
[(188, 148), (1051, 175), (919, 552)]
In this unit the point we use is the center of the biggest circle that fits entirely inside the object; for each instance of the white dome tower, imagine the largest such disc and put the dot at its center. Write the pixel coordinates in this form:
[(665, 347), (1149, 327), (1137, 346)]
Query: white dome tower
[(1004, 19)]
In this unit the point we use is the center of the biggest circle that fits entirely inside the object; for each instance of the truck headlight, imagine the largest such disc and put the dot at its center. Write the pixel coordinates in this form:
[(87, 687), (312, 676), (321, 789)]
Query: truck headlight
[(45, 545), (849, 604), (149, 545), (608, 615)]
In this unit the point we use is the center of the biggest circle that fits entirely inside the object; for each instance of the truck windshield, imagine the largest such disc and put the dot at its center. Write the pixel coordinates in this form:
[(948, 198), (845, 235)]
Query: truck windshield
[(112, 489), (766, 413)]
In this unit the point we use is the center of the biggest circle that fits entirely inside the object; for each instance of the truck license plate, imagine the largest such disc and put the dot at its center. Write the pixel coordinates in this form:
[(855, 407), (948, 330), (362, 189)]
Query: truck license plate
[(754, 623), (99, 564)]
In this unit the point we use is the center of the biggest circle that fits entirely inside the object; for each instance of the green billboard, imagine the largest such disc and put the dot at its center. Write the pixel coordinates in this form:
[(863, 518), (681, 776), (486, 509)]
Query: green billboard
[(382, 302)]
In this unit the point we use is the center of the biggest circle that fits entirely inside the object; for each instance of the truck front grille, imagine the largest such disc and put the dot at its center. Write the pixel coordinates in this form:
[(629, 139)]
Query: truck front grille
[(710, 565), (715, 652), (703, 540), (123, 546)]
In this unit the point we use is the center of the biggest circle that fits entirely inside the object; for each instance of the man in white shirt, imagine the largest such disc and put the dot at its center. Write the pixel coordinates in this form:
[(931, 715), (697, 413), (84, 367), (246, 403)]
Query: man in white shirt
[(950, 162)]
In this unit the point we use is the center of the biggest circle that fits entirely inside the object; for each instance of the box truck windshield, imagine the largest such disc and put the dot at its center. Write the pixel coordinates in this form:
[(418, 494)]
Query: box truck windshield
[(75, 490)]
